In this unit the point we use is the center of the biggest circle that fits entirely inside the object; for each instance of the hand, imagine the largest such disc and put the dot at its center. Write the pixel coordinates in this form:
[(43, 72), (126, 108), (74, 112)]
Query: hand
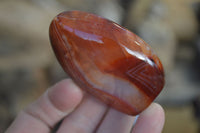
[(82, 113)]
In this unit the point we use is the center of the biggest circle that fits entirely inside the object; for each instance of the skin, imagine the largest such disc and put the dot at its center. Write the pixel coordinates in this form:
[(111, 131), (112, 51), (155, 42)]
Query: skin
[(82, 113)]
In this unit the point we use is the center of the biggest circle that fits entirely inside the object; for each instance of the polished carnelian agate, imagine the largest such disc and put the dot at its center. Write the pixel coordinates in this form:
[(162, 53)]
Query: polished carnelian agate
[(107, 60)]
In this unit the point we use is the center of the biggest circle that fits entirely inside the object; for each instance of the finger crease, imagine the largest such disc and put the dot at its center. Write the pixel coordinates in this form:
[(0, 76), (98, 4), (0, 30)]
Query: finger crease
[(37, 118)]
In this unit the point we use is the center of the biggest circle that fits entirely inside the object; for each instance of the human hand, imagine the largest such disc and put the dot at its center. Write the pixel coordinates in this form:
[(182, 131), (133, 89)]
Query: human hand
[(82, 113)]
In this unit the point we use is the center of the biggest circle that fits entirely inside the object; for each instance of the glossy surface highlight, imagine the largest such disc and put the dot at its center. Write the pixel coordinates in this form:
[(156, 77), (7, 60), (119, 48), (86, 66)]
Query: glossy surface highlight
[(107, 60)]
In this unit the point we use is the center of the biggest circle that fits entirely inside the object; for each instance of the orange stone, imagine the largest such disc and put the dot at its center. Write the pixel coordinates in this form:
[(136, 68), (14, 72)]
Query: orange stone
[(107, 60)]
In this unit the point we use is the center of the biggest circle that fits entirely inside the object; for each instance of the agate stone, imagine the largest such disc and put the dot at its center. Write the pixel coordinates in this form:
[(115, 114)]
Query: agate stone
[(107, 61)]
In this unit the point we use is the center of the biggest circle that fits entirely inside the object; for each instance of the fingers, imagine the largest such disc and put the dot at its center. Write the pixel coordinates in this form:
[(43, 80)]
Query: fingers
[(116, 122), (85, 118), (64, 97), (49, 109), (151, 120)]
